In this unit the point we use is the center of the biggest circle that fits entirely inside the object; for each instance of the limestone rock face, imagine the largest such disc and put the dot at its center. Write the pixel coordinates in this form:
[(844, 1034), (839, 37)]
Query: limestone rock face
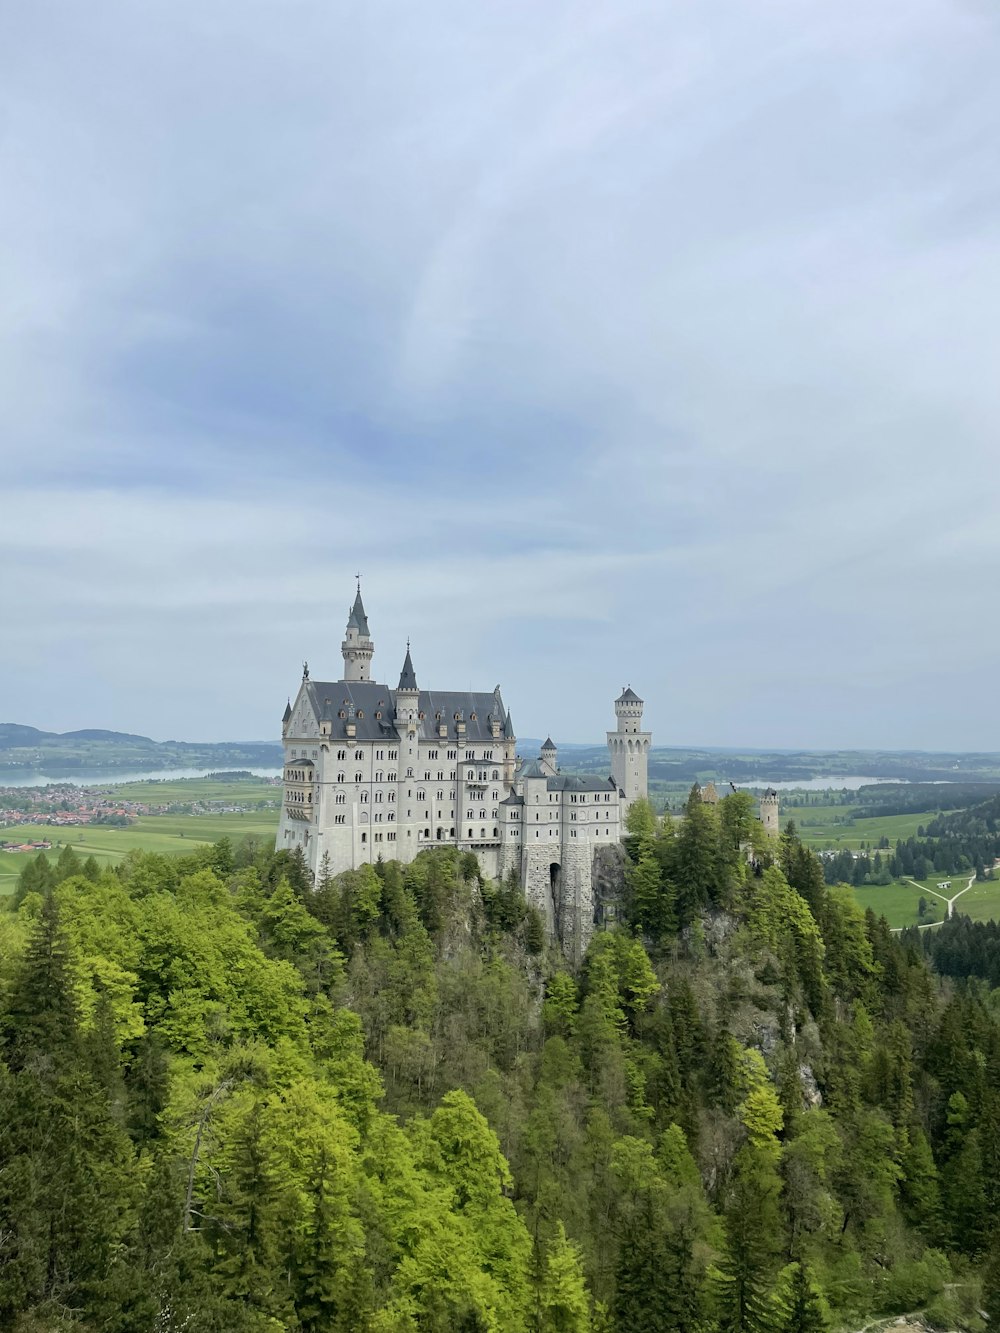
[(608, 881)]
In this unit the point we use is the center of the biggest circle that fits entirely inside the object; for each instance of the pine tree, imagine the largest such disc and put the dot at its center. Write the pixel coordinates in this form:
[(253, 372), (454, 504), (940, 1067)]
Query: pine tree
[(563, 1303), (68, 865), (753, 1230), (41, 1022), (807, 1310)]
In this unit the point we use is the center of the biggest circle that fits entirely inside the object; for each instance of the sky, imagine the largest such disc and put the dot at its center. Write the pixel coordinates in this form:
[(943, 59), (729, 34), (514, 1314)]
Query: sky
[(647, 343)]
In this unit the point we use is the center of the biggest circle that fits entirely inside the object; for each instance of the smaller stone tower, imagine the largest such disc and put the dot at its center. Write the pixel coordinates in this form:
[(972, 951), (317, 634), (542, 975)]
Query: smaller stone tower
[(629, 748), (769, 812), (357, 647)]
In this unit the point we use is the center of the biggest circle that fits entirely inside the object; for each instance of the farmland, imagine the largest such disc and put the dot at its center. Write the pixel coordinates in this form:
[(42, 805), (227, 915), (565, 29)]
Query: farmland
[(169, 834)]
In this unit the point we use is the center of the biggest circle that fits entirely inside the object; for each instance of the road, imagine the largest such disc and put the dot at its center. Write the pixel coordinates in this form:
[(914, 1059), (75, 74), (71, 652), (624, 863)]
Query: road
[(950, 901)]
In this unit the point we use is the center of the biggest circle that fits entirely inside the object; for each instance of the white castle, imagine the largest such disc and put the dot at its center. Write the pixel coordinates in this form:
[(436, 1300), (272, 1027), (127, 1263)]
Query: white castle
[(373, 772)]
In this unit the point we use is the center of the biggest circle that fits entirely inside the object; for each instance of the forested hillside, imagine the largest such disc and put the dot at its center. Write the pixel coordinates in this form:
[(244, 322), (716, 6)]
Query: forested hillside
[(232, 1101)]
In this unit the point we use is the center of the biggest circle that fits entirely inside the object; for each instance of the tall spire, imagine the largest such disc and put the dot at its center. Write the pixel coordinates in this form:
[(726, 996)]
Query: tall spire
[(357, 618), (357, 647), (407, 677)]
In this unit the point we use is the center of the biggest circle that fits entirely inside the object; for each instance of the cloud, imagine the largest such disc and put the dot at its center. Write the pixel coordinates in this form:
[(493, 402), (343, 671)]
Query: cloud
[(610, 342)]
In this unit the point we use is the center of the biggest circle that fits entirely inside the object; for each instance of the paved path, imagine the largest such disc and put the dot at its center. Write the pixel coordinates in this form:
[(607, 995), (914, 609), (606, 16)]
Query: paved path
[(950, 901)]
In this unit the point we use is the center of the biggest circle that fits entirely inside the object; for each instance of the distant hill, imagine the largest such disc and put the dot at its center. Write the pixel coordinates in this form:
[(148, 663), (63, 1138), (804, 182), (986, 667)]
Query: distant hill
[(25, 749)]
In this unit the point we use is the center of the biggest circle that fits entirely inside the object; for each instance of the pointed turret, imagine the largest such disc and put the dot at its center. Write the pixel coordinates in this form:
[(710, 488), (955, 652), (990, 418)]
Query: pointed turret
[(548, 754), (357, 647), (288, 714), (357, 619), (407, 677), (407, 693), (508, 729)]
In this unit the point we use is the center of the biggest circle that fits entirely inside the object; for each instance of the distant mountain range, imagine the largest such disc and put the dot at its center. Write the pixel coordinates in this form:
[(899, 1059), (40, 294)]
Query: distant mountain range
[(29, 750), (26, 749)]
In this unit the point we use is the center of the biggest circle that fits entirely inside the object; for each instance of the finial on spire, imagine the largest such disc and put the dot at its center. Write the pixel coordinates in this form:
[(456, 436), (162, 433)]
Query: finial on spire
[(358, 577)]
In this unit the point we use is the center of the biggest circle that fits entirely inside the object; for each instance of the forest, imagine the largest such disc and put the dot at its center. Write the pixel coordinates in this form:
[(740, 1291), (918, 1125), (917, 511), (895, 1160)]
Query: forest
[(233, 1100)]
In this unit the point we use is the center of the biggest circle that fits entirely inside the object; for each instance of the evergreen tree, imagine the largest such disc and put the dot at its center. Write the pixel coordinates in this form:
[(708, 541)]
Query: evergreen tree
[(807, 1310), (41, 1022), (563, 1303)]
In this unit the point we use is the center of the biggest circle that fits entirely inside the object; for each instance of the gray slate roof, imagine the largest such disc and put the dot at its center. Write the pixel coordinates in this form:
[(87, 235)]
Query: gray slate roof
[(549, 744), (330, 698), (357, 619), (628, 696), (562, 781), (570, 782)]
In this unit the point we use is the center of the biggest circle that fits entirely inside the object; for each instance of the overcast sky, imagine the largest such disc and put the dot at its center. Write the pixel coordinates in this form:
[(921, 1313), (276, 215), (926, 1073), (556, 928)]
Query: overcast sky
[(625, 342)]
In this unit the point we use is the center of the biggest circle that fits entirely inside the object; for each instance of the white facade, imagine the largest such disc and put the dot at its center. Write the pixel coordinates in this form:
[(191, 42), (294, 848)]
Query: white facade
[(374, 772)]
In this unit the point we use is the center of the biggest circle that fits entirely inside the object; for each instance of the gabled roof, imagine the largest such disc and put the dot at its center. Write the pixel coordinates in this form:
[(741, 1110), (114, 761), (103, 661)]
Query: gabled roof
[(357, 619), (407, 677)]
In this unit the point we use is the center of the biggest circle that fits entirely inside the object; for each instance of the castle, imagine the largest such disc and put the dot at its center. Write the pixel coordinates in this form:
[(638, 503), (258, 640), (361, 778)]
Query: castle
[(371, 772)]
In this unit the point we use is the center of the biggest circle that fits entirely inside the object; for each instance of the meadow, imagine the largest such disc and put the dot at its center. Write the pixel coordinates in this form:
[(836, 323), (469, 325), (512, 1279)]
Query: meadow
[(177, 791), (831, 827)]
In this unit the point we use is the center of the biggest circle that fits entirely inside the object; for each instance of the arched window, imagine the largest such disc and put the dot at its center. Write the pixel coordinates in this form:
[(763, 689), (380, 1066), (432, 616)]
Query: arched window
[(340, 777), (364, 798), (496, 774), (378, 798)]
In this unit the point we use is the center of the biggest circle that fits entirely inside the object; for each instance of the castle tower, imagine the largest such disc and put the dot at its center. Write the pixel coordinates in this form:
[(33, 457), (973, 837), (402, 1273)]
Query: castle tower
[(357, 647), (629, 748), (769, 812), (549, 753)]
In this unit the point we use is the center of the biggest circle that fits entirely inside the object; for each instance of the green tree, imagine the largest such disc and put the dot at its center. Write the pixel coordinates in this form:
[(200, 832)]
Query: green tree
[(563, 1303)]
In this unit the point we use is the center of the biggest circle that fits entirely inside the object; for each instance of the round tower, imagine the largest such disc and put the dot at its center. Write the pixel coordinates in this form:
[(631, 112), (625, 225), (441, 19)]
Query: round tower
[(357, 647), (629, 746), (769, 812)]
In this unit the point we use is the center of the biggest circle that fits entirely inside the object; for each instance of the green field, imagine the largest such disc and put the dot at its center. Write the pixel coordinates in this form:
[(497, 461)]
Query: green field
[(171, 791), (831, 827), (152, 833), (897, 902)]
